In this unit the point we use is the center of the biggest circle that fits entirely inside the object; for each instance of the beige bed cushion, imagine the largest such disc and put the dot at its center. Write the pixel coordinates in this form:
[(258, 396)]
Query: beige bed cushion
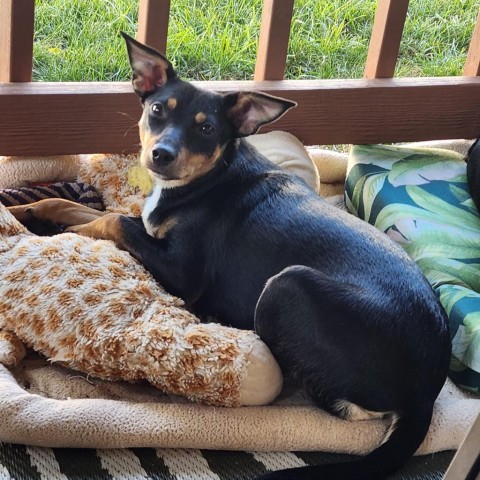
[(62, 408)]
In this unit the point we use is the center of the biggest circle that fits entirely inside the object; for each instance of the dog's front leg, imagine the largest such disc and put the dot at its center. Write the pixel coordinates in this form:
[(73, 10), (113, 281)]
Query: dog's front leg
[(107, 227), (180, 276)]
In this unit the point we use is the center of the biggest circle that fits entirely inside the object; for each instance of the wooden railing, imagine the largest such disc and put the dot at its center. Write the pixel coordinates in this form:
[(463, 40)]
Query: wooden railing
[(57, 118)]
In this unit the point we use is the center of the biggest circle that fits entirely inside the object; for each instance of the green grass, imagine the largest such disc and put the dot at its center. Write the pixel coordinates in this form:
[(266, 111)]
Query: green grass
[(78, 40)]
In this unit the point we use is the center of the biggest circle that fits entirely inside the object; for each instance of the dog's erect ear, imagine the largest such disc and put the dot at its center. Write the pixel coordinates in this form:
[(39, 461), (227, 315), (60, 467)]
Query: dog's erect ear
[(248, 111), (151, 70)]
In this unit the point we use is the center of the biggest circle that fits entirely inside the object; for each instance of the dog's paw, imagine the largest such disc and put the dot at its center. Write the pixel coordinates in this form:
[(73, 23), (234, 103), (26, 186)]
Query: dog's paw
[(103, 228), (46, 210), (74, 229), (88, 230)]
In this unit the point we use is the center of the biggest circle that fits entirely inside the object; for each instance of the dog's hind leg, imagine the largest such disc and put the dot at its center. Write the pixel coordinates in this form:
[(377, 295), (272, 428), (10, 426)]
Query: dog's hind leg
[(313, 325), (347, 351), (56, 210)]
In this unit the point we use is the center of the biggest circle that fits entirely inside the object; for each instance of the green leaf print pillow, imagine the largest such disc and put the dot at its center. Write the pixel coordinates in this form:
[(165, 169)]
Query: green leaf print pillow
[(420, 198)]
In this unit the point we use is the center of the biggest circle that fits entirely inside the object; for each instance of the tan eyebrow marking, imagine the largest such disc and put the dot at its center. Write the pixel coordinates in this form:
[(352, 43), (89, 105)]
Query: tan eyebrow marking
[(200, 117), (172, 103)]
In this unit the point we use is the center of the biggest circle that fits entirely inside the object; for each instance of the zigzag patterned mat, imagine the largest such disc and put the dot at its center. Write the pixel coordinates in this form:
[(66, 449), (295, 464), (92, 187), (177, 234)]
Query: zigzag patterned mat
[(19, 462)]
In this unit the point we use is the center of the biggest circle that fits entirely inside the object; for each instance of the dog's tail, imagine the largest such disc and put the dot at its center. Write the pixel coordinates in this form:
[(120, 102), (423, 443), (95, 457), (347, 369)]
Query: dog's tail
[(405, 435)]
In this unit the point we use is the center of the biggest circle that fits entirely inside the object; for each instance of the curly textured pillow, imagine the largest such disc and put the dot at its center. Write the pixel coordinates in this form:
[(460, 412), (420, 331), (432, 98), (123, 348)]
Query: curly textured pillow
[(92, 307), (420, 198)]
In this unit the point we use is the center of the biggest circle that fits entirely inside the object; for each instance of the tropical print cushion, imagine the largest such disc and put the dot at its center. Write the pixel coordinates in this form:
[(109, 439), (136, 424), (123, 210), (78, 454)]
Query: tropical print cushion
[(420, 198)]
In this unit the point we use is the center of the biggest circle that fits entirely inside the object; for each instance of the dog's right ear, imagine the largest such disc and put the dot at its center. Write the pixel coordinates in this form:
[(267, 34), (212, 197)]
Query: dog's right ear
[(151, 70)]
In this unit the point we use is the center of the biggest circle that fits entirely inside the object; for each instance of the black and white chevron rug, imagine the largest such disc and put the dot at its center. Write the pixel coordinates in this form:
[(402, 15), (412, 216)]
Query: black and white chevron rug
[(20, 462)]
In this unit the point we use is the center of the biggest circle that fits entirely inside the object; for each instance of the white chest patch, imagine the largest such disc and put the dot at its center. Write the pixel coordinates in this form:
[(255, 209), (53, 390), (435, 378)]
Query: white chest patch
[(150, 204)]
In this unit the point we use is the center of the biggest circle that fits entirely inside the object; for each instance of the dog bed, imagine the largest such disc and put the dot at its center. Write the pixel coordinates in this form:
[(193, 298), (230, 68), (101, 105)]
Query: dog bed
[(49, 406)]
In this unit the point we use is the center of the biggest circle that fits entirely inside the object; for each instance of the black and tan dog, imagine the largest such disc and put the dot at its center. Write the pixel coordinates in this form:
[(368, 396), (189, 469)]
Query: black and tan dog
[(346, 313)]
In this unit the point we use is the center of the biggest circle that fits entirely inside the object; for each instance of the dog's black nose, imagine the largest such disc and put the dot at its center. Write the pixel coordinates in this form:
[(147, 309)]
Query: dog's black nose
[(163, 154)]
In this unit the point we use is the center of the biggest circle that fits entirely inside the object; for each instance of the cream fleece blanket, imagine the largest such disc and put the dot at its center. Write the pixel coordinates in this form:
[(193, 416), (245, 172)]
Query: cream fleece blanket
[(50, 406), (62, 408)]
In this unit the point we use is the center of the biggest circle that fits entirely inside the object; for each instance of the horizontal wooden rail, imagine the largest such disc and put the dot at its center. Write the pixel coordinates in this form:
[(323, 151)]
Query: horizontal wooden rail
[(101, 117)]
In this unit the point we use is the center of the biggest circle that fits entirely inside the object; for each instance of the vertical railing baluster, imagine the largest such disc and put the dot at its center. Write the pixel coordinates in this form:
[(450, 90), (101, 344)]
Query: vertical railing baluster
[(16, 40), (385, 39), (153, 17), (472, 64), (273, 41)]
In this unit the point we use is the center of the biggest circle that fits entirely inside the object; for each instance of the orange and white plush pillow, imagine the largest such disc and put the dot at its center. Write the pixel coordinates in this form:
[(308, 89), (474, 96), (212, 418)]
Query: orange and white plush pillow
[(93, 308)]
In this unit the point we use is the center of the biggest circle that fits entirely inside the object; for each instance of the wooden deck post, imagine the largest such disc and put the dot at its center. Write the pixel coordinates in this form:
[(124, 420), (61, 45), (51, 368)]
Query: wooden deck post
[(16, 40), (153, 16), (273, 41), (472, 65), (386, 37)]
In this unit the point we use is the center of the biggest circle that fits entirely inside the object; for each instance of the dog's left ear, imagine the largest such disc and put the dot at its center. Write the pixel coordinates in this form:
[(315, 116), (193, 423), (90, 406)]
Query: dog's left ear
[(151, 70), (248, 111)]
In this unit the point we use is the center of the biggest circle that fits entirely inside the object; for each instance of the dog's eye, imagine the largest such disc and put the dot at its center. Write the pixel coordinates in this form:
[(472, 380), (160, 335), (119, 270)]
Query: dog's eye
[(207, 129), (157, 109)]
